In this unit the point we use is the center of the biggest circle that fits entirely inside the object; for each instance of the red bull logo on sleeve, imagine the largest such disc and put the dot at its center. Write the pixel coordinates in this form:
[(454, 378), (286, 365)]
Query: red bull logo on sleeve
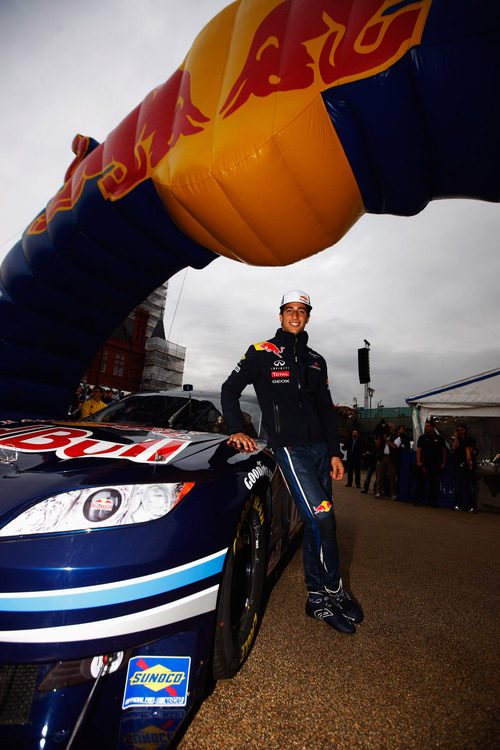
[(157, 681), (324, 507)]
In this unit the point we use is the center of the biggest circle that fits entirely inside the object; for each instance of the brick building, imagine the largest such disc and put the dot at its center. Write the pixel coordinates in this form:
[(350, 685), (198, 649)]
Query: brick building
[(136, 357)]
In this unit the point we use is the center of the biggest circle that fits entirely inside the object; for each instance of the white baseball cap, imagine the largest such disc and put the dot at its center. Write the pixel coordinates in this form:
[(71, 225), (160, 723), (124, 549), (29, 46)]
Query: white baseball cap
[(296, 295)]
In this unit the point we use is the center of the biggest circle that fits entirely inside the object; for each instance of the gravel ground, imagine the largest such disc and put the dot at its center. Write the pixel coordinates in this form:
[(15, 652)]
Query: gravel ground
[(422, 670)]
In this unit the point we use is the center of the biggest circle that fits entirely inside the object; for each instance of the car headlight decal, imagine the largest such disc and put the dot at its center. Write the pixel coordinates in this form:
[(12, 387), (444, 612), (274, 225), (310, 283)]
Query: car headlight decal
[(101, 505), (98, 508)]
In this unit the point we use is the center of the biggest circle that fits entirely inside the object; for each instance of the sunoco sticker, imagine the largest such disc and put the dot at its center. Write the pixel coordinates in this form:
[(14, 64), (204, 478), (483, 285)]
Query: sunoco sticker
[(155, 681)]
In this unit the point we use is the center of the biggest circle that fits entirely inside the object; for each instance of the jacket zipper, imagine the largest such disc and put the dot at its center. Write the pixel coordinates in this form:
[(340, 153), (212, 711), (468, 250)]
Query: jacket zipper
[(299, 385), (276, 417), (299, 388)]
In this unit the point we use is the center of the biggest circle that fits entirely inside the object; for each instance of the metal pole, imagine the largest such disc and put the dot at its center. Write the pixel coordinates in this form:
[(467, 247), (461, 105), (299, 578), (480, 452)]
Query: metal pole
[(367, 346)]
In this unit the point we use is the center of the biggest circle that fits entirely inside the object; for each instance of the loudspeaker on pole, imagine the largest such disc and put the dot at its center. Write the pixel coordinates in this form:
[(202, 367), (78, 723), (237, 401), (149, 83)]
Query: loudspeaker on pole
[(364, 365)]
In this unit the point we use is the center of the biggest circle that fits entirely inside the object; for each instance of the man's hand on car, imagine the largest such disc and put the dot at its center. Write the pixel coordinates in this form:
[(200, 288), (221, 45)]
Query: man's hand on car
[(242, 442)]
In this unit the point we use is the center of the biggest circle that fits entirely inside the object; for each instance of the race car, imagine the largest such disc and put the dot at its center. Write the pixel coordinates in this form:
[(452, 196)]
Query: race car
[(136, 550)]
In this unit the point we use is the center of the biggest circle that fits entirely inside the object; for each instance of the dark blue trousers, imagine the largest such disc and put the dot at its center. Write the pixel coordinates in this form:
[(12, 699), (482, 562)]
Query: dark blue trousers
[(306, 471)]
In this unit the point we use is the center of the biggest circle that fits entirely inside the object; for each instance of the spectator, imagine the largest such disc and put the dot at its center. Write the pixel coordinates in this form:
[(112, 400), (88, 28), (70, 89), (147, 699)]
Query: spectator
[(370, 463), (431, 460), (93, 404), (403, 437), (354, 448), (464, 459), (387, 464), (401, 443), (74, 409)]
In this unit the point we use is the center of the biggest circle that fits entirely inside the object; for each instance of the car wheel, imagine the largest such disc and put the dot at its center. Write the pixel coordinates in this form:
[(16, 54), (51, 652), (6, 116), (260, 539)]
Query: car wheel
[(240, 593)]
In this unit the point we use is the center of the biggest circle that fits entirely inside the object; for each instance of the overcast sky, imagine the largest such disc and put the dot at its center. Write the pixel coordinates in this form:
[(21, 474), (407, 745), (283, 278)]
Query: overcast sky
[(424, 290)]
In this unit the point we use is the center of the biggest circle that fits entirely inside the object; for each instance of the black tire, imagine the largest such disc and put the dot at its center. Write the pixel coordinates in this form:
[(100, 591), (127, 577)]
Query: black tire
[(240, 593)]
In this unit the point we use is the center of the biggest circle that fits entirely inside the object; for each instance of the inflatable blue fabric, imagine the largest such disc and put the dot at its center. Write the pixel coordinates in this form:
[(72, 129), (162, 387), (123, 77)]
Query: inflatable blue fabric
[(424, 127), (64, 291), (412, 136)]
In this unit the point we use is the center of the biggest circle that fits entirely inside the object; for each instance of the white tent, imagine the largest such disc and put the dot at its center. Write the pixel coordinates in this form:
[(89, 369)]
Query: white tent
[(475, 401), (477, 396)]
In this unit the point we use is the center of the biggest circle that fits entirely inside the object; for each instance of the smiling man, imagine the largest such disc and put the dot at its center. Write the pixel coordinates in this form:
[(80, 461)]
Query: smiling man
[(291, 383)]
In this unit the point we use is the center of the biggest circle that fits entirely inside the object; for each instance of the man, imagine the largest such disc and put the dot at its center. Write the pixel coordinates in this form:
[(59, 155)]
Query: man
[(370, 462), (464, 451), (354, 449), (291, 384), (431, 460), (94, 403), (404, 440), (387, 449)]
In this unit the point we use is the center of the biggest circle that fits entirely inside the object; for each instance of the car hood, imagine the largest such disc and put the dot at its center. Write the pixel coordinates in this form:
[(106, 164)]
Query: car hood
[(39, 458), (36, 444)]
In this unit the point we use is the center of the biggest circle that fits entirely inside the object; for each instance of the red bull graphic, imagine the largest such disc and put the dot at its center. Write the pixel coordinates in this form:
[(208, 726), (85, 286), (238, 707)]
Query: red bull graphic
[(285, 123), (266, 346), (353, 42), (324, 507), (132, 151), (75, 442)]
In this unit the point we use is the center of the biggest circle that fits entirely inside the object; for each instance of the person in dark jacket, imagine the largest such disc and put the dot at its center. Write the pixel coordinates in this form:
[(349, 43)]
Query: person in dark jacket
[(354, 448), (431, 460), (370, 463), (291, 383), (464, 452)]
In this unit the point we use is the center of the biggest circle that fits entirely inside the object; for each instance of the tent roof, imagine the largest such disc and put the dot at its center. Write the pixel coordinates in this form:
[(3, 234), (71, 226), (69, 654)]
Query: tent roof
[(478, 391)]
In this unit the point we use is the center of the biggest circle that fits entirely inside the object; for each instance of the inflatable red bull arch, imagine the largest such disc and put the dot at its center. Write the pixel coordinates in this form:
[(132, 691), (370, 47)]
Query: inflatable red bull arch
[(287, 120)]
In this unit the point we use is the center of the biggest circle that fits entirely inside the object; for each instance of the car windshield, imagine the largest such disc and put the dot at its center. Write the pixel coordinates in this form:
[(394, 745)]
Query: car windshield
[(178, 412)]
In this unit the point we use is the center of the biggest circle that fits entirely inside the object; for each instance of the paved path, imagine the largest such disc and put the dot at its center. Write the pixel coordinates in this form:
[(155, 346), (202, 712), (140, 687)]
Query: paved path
[(421, 672)]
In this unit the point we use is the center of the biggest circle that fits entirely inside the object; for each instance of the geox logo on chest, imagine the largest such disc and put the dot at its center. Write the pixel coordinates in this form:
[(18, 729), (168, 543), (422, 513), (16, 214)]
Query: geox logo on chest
[(280, 376)]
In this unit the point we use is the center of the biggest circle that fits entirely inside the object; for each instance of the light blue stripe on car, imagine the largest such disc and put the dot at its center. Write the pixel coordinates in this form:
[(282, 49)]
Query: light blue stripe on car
[(202, 602), (116, 592)]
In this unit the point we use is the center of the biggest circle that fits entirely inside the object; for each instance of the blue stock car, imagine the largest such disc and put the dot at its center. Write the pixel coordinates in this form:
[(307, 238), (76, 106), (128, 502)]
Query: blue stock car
[(136, 548)]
